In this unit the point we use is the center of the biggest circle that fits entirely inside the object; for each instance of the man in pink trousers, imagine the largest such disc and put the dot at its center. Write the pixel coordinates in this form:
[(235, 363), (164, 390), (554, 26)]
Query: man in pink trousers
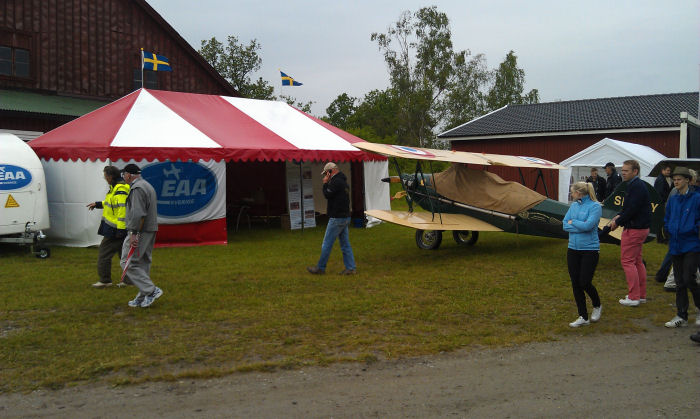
[(635, 217)]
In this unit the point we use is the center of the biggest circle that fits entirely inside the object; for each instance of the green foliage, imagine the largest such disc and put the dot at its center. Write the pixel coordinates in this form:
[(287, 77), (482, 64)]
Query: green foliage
[(433, 86), (423, 67), (508, 85), (236, 62), (302, 106), (340, 110), (378, 110), (466, 100)]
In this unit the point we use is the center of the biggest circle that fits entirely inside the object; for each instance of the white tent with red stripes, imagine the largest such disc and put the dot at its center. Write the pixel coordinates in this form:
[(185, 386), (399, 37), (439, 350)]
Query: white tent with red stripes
[(203, 154)]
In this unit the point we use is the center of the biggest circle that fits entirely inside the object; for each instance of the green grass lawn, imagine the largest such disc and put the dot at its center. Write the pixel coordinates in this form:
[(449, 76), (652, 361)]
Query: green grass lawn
[(251, 305)]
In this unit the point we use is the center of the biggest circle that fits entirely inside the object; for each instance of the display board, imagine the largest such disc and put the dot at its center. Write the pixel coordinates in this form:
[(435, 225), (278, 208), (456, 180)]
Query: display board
[(300, 195)]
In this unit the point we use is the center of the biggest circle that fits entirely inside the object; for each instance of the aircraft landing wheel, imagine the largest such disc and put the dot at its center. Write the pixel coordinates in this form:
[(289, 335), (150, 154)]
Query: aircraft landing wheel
[(465, 237), (428, 239)]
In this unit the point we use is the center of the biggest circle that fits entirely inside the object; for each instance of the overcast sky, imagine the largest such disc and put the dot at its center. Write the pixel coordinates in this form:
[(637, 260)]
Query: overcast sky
[(568, 49)]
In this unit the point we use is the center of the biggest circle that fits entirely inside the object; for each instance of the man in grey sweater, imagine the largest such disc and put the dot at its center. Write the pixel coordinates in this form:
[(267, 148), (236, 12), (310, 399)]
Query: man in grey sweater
[(142, 225)]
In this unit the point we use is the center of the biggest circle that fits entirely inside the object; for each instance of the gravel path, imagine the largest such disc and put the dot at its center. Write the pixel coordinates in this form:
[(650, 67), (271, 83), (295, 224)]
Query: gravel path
[(656, 373)]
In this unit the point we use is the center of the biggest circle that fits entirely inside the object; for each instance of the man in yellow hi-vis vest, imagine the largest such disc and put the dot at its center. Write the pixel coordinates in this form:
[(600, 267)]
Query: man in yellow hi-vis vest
[(113, 224)]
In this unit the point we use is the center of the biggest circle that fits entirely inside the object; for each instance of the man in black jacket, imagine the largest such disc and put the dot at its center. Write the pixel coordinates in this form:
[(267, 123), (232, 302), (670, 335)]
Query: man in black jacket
[(598, 183), (663, 183), (635, 217), (337, 192), (614, 179)]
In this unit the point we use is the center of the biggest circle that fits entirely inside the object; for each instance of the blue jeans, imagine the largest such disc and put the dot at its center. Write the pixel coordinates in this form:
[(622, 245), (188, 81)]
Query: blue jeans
[(337, 227)]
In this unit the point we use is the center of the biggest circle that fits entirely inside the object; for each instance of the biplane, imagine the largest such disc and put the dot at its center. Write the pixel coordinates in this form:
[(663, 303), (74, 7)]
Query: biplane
[(467, 200)]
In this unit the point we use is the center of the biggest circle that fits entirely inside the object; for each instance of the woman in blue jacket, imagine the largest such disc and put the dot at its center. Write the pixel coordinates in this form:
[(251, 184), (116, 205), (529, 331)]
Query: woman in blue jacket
[(682, 223), (581, 221)]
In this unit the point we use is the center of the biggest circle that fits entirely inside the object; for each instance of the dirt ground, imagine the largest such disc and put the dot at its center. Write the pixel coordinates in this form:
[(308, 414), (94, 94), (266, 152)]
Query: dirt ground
[(650, 374)]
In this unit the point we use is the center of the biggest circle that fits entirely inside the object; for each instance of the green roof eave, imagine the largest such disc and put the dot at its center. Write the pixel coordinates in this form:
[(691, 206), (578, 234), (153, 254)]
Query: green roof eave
[(11, 100)]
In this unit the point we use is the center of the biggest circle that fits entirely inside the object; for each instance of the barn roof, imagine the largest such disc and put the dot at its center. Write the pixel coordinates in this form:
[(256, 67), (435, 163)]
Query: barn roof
[(615, 113)]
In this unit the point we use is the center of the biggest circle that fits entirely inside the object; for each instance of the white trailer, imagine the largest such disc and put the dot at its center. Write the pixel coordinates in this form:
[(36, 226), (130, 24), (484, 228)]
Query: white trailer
[(24, 208)]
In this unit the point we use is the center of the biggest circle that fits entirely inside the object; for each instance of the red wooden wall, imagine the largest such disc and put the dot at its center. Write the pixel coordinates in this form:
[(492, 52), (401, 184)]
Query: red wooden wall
[(90, 48)]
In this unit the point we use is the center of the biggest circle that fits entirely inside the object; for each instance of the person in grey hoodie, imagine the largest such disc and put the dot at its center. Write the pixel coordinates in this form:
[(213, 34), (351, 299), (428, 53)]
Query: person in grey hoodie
[(581, 221), (142, 225)]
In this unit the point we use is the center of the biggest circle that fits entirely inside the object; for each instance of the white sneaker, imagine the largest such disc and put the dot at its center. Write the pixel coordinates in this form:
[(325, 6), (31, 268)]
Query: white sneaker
[(641, 300), (579, 322), (629, 303), (670, 284), (595, 315), (697, 320), (99, 284), (676, 322), (150, 298), (136, 302)]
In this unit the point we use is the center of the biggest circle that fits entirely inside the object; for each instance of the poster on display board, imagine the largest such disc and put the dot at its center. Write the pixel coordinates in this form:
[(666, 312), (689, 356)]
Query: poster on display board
[(300, 196), (187, 191)]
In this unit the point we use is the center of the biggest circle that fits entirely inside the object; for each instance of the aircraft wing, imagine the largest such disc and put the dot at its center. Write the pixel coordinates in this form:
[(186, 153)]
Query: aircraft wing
[(616, 234), (485, 159), (425, 220), (689, 163)]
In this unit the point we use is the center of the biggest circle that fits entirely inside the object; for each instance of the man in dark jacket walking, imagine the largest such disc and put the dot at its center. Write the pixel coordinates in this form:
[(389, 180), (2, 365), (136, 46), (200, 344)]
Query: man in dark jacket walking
[(614, 178), (635, 217), (337, 192)]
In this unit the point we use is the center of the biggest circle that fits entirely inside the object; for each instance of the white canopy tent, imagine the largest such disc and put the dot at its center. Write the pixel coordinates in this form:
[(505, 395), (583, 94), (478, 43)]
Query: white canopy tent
[(606, 150)]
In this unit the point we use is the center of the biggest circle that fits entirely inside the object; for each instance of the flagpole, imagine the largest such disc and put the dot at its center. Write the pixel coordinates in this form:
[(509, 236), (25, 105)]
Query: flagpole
[(142, 68)]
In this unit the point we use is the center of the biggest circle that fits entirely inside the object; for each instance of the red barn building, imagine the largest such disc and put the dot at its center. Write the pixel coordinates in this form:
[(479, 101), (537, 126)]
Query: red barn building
[(558, 130), (61, 59)]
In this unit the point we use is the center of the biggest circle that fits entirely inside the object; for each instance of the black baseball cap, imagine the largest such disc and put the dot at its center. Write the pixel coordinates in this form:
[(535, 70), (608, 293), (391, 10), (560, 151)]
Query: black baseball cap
[(132, 169)]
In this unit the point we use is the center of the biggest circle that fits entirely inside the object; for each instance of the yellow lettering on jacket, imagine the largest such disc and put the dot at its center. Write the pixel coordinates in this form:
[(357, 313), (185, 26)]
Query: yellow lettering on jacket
[(653, 206), (619, 200)]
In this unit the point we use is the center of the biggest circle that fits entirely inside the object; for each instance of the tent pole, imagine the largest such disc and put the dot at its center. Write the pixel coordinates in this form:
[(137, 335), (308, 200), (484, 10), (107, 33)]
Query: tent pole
[(301, 188)]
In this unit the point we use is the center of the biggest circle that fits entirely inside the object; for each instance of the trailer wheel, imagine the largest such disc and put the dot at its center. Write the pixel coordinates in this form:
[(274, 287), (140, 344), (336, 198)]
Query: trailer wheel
[(43, 253), (465, 237), (428, 239)]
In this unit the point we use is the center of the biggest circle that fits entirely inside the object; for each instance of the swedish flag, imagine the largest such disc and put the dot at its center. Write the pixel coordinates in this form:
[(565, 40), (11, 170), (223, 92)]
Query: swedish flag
[(151, 61), (288, 81)]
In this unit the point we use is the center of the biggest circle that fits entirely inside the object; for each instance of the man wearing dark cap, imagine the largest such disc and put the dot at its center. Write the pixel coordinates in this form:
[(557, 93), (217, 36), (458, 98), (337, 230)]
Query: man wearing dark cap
[(142, 224), (598, 183), (337, 192), (613, 180), (682, 224)]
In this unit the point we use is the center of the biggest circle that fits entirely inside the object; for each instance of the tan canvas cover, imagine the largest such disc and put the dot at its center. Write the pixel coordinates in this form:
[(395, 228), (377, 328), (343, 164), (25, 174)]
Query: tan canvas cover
[(486, 190)]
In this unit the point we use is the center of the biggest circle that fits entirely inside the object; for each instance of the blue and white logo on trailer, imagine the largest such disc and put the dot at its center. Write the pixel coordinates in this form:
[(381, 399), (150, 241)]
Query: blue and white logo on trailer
[(13, 177), (183, 188)]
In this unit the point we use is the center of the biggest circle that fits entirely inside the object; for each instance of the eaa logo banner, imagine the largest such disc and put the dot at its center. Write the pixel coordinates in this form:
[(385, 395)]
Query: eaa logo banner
[(183, 188), (13, 177)]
